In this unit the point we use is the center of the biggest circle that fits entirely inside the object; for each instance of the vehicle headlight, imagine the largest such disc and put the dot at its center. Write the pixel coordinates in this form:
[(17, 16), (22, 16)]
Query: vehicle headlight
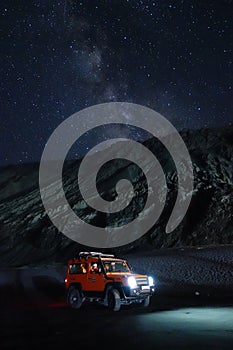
[(132, 282), (151, 281)]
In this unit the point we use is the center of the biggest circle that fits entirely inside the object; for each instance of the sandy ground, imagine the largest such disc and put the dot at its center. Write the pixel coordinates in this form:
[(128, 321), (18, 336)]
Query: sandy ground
[(41, 319), (34, 313)]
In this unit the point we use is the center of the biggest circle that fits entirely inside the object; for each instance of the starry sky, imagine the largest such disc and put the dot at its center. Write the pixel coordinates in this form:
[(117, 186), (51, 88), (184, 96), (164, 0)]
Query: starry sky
[(58, 57)]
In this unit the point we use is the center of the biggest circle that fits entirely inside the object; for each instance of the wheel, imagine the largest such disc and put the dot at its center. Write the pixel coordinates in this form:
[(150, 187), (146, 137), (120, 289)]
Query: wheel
[(74, 298), (114, 300), (146, 301)]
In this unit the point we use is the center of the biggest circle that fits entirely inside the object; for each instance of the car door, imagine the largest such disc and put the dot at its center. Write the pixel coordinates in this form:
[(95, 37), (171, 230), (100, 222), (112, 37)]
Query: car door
[(95, 278)]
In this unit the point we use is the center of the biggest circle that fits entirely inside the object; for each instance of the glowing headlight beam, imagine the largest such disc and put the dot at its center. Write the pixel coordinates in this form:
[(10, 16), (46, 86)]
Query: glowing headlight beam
[(132, 282), (151, 281)]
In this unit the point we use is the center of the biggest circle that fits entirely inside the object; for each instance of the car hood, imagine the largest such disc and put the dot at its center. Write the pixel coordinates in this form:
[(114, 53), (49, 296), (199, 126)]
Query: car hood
[(126, 275)]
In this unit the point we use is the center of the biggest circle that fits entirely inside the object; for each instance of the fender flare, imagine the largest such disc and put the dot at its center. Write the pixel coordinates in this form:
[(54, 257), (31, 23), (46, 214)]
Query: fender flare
[(78, 286), (116, 285)]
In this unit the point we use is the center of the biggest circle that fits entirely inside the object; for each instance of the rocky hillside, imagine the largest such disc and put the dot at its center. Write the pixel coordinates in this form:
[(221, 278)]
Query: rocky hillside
[(27, 236)]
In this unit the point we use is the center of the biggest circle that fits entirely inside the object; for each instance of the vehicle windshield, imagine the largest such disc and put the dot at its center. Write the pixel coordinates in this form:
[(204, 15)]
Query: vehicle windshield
[(116, 266)]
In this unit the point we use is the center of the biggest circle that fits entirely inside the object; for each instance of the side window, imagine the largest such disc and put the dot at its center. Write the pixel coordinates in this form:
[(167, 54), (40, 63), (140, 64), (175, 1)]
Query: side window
[(78, 268), (95, 267)]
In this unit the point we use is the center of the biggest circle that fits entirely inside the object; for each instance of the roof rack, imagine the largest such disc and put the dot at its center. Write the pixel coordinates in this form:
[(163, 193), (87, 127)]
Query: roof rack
[(95, 254)]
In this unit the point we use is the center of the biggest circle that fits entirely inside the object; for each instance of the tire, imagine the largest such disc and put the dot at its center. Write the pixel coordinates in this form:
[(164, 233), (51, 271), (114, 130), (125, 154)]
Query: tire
[(146, 301), (114, 300), (74, 298)]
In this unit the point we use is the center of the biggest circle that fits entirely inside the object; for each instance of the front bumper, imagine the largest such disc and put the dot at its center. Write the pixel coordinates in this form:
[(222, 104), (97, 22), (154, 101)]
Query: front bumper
[(139, 292)]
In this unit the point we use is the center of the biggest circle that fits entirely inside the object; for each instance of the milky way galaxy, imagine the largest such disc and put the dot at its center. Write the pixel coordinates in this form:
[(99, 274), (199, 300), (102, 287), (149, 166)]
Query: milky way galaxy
[(58, 57)]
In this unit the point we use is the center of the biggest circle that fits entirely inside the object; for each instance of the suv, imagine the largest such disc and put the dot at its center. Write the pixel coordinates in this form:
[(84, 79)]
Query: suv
[(102, 278)]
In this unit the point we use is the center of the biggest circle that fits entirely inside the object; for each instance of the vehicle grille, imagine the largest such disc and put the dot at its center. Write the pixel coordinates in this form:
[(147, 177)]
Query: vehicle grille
[(142, 281)]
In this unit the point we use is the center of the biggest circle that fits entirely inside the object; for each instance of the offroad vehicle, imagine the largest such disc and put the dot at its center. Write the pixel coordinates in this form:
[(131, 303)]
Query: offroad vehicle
[(102, 278)]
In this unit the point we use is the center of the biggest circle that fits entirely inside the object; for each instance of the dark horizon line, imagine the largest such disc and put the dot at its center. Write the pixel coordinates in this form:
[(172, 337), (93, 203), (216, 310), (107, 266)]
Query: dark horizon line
[(37, 162)]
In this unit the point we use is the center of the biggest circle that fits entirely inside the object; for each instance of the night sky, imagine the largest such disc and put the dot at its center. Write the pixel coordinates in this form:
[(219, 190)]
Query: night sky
[(58, 57)]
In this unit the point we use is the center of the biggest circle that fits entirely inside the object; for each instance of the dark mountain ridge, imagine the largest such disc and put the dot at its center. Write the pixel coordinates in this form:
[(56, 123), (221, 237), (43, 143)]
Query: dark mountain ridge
[(27, 236)]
